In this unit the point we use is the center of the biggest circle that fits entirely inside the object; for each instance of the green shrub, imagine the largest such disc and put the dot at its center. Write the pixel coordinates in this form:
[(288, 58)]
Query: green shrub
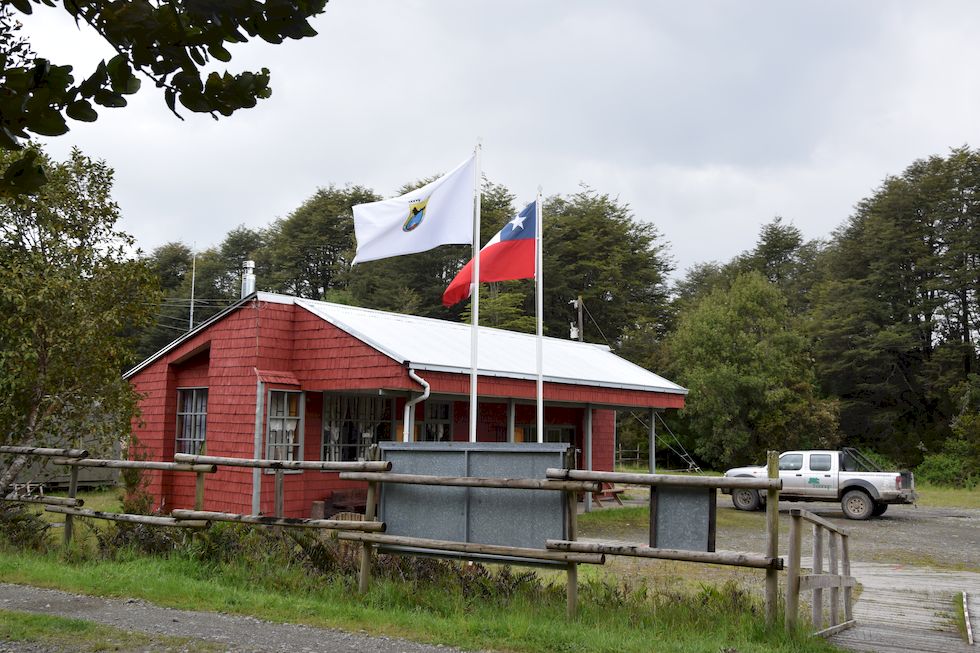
[(951, 469), (22, 527)]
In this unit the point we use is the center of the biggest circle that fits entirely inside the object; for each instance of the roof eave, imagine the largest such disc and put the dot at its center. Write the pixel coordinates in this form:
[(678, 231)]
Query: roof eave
[(550, 379)]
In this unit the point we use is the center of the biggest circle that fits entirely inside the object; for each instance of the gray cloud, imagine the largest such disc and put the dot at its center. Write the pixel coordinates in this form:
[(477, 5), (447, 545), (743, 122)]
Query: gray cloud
[(707, 118)]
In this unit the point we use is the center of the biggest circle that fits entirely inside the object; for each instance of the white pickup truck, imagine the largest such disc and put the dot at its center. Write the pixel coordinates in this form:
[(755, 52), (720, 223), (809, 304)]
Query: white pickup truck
[(863, 489)]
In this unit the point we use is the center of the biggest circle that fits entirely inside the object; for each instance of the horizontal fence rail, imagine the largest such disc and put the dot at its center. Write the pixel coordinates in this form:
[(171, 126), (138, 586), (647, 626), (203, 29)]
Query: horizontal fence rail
[(476, 548), (261, 520), (136, 464), (731, 558), (44, 451), (475, 481), (47, 501), (150, 520), (666, 479), (306, 465)]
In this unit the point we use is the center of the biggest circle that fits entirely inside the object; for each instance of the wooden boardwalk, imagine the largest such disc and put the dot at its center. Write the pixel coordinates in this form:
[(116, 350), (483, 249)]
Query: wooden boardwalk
[(909, 610)]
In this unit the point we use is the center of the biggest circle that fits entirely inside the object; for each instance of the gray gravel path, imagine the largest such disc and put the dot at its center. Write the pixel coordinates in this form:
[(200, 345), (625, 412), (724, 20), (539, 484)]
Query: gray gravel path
[(235, 632)]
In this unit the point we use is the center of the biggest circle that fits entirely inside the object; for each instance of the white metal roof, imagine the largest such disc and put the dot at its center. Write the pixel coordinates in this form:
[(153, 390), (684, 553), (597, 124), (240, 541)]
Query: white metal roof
[(442, 346)]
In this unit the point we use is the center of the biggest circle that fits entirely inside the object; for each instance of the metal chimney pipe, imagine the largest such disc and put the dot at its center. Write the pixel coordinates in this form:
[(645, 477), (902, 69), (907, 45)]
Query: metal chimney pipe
[(248, 278)]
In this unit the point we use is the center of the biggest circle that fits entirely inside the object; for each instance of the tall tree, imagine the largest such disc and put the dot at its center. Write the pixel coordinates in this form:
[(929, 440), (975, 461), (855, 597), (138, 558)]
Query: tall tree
[(311, 249), (167, 41), (596, 249), (748, 370), (896, 319), (70, 292)]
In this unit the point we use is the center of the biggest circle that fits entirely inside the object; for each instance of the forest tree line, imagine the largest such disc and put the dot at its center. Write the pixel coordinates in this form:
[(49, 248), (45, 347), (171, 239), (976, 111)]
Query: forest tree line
[(867, 338)]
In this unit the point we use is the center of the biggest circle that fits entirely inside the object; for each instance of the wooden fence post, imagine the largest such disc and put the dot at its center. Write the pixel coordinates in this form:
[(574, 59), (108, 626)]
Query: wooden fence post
[(772, 539), (72, 491), (571, 502), (199, 492), (793, 572), (364, 577), (817, 603), (280, 492), (846, 570), (834, 569)]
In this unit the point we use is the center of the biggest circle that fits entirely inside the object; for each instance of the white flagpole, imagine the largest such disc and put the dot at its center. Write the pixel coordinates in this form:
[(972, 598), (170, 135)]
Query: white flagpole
[(539, 308), (475, 295)]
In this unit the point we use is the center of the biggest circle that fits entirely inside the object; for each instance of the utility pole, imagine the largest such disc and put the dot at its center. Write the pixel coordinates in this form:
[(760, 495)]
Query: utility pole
[(193, 274), (576, 330)]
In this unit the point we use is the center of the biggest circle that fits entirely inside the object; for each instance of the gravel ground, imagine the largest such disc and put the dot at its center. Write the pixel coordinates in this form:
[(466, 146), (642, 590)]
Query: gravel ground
[(946, 538), (237, 633), (928, 537)]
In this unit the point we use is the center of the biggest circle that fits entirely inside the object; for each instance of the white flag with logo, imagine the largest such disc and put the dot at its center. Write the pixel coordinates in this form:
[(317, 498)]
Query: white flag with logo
[(439, 213)]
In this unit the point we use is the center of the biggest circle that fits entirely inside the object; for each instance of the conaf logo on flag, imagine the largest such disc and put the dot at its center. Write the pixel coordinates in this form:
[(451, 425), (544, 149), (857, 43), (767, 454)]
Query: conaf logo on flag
[(416, 213)]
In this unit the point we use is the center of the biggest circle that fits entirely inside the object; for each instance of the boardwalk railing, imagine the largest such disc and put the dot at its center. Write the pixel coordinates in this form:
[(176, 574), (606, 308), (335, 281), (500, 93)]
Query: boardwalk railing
[(836, 578)]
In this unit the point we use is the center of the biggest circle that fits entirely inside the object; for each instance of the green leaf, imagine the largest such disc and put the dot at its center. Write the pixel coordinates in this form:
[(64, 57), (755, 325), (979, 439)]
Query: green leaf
[(195, 102), (7, 140), (23, 6), (95, 81), (109, 99), (47, 123), (82, 110), (23, 176), (121, 75)]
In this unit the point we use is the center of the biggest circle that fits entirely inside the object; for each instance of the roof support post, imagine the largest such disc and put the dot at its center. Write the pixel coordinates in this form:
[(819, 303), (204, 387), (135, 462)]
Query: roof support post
[(510, 420), (257, 446), (588, 452), (653, 440)]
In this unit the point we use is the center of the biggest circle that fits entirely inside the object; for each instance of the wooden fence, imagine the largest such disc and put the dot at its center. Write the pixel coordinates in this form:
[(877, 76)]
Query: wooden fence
[(836, 578), (370, 532), (571, 488), (770, 561), (71, 506)]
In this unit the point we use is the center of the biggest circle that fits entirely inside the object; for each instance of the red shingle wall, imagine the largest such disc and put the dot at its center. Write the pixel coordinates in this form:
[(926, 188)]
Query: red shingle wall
[(230, 378), (603, 440), (326, 358)]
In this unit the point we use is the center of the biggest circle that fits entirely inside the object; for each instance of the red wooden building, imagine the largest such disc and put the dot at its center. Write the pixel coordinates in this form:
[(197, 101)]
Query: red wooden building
[(281, 377)]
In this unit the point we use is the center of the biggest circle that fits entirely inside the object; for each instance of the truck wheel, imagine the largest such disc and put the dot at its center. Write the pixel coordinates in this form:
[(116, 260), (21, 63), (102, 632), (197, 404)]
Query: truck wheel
[(879, 509), (857, 505), (744, 499)]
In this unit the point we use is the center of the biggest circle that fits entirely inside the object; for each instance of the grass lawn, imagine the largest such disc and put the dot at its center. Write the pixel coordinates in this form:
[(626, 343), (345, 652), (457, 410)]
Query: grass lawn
[(85, 637), (665, 617), (947, 497)]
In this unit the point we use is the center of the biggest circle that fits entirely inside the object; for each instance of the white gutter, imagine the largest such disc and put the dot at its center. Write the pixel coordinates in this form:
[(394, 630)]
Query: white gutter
[(410, 404)]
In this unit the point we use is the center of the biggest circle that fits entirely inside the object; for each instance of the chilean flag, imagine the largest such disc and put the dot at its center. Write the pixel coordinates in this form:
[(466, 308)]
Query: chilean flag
[(508, 255)]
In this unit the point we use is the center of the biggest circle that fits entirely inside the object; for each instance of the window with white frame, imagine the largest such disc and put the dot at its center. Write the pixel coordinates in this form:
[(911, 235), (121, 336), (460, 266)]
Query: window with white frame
[(192, 417), (284, 436), (438, 425), (552, 433), (352, 423)]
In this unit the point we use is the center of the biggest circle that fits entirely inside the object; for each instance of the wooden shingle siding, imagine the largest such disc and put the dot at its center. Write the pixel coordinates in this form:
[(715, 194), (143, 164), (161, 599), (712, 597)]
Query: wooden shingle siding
[(290, 348)]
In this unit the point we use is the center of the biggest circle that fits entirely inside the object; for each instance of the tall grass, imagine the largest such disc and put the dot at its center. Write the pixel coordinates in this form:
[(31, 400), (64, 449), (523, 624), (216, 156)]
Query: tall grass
[(947, 497), (306, 580)]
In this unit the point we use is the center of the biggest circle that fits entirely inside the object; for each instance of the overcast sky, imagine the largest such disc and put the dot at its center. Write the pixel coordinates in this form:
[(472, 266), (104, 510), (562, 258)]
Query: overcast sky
[(707, 118)]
